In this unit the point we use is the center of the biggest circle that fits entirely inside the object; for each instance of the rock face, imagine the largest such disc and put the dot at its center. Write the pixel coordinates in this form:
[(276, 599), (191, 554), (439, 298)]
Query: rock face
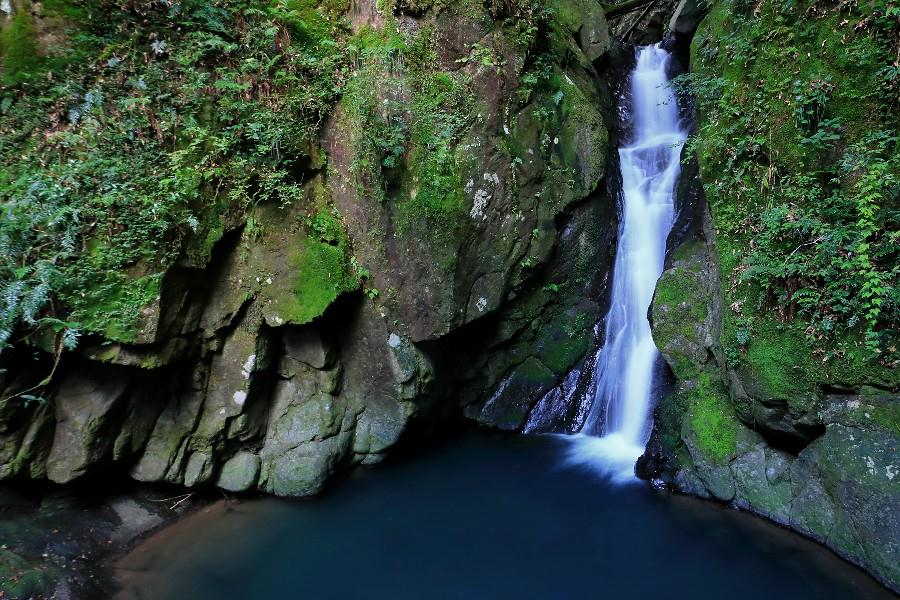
[(687, 17), (455, 270), (764, 425), (826, 466)]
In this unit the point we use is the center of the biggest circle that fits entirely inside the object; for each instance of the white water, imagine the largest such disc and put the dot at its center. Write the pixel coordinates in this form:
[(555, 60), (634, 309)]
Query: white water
[(618, 426)]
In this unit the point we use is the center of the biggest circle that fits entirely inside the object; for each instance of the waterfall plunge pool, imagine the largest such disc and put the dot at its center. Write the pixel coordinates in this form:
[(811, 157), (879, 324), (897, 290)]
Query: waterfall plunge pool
[(483, 516)]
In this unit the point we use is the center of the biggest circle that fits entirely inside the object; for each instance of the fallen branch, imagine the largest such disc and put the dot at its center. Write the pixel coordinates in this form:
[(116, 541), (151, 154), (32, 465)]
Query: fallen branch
[(638, 20), (613, 11), (180, 499)]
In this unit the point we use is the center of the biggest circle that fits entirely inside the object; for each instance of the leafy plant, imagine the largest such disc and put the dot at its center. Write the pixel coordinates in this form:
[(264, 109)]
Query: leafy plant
[(799, 150)]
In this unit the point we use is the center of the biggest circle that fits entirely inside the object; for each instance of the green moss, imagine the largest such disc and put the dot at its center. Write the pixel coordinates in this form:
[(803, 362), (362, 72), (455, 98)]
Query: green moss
[(323, 271), (668, 421), (887, 416), (782, 360), (680, 306), (534, 371), (563, 341), (681, 290), (583, 135), (113, 305), (712, 420), (21, 579), (18, 48)]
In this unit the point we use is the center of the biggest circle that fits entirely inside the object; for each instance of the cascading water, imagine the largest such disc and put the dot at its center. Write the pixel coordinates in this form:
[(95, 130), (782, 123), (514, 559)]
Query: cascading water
[(618, 425)]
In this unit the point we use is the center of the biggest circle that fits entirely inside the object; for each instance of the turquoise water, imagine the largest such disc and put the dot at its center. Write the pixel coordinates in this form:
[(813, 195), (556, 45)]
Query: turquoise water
[(484, 516)]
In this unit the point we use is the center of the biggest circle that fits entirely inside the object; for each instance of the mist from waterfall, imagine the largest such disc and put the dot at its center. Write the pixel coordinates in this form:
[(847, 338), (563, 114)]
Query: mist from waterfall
[(618, 425)]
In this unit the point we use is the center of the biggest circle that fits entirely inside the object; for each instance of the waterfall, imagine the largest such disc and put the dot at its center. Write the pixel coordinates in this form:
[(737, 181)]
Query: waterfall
[(618, 425)]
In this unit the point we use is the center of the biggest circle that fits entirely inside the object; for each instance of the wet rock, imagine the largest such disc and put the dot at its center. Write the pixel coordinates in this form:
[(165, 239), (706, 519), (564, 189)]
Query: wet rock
[(24, 448), (763, 483), (511, 402), (302, 470), (593, 33), (199, 469), (230, 390), (135, 519), (687, 482), (860, 472), (305, 345), (687, 17), (301, 448), (387, 381), (163, 456), (239, 473), (86, 414)]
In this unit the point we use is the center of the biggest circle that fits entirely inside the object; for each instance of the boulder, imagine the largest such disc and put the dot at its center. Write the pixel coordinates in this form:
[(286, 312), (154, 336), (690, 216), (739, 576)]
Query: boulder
[(87, 412), (239, 473), (687, 16)]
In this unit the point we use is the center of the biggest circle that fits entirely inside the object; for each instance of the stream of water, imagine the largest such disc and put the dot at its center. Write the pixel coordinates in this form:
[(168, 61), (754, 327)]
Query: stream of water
[(617, 428)]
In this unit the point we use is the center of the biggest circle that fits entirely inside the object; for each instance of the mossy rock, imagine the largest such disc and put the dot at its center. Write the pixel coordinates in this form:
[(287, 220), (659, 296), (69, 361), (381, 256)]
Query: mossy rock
[(713, 426), (682, 311), (509, 404), (295, 265), (563, 341), (20, 578)]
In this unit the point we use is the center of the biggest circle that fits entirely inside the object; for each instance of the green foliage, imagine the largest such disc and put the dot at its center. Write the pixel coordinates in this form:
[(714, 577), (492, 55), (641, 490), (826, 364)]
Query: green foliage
[(176, 123), (799, 147), (407, 119)]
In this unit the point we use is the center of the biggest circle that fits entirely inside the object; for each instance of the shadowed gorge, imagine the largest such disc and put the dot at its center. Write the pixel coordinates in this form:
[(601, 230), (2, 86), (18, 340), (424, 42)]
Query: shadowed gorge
[(253, 248)]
